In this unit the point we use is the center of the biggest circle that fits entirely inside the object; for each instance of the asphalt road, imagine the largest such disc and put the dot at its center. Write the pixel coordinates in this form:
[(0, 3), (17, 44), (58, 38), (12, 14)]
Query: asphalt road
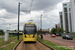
[(60, 41)]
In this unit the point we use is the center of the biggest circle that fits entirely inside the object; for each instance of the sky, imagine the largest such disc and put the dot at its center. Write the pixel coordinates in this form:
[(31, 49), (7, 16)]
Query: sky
[(48, 8)]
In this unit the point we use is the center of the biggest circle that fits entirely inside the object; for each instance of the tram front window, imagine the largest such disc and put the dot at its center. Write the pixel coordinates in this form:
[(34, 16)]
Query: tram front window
[(29, 30)]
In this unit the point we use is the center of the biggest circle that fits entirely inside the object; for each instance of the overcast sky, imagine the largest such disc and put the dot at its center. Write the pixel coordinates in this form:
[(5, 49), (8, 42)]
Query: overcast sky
[(48, 8)]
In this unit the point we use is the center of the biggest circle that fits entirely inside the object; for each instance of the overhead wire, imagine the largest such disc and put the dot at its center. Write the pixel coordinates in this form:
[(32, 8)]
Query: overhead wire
[(31, 5), (31, 8)]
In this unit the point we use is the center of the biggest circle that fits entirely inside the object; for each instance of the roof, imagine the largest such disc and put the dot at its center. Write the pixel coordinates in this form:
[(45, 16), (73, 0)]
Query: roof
[(30, 23)]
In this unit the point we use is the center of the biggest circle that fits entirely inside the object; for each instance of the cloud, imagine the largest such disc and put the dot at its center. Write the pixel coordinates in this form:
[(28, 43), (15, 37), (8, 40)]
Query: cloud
[(48, 8), (12, 6), (45, 4), (6, 15)]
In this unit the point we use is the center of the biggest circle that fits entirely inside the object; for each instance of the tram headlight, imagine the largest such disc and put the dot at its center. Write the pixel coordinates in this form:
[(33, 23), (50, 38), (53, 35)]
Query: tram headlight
[(33, 36), (25, 35)]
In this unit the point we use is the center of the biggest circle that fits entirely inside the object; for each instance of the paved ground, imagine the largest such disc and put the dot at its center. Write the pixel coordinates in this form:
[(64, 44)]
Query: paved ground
[(59, 40)]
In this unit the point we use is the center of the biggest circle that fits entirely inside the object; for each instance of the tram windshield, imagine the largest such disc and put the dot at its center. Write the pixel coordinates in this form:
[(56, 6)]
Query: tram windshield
[(29, 30)]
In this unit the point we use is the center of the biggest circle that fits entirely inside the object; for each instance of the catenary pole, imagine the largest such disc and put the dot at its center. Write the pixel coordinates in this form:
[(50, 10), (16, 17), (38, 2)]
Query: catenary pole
[(18, 18)]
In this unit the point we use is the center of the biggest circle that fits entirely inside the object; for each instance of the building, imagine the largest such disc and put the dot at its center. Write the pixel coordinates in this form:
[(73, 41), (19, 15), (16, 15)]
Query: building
[(73, 14), (58, 25), (45, 30), (61, 19), (67, 17)]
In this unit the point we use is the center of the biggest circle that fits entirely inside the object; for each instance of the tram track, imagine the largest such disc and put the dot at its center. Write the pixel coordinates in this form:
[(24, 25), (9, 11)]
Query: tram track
[(38, 47), (32, 46)]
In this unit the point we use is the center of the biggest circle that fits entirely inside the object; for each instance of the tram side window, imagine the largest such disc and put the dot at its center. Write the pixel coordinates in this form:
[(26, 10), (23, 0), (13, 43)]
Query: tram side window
[(24, 29), (35, 29)]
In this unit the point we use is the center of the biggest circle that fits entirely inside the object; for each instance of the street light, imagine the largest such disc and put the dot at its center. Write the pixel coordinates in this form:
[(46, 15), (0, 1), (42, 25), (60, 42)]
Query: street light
[(38, 26), (41, 22)]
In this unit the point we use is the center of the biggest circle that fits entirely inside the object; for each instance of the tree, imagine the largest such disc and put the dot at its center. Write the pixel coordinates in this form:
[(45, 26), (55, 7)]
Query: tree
[(60, 30), (39, 31), (67, 32), (21, 30), (7, 30), (1, 32), (53, 30), (15, 30)]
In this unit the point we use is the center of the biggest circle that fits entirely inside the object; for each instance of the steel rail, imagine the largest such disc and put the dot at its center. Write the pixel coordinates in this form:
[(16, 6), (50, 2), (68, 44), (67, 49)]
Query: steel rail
[(38, 46), (26, 46), (23, 46)]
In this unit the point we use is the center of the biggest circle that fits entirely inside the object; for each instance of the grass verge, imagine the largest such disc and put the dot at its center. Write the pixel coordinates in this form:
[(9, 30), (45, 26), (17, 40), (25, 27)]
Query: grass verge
[(2, 39), (73, 37), (55, 46), (10, 44)]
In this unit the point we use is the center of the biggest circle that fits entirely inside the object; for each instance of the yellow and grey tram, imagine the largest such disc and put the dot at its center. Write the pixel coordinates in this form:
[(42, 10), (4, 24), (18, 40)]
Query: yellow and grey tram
[(30, 32)]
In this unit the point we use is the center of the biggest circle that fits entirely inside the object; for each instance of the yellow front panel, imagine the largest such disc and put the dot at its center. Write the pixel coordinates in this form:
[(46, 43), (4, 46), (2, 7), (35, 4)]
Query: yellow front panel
[(29, 37)]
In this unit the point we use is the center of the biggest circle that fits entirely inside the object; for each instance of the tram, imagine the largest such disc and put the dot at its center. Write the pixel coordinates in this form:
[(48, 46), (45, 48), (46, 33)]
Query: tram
[(30, 32)]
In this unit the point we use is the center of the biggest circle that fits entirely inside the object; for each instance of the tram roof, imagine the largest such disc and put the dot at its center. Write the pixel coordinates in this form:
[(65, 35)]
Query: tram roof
[(30, 23)]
